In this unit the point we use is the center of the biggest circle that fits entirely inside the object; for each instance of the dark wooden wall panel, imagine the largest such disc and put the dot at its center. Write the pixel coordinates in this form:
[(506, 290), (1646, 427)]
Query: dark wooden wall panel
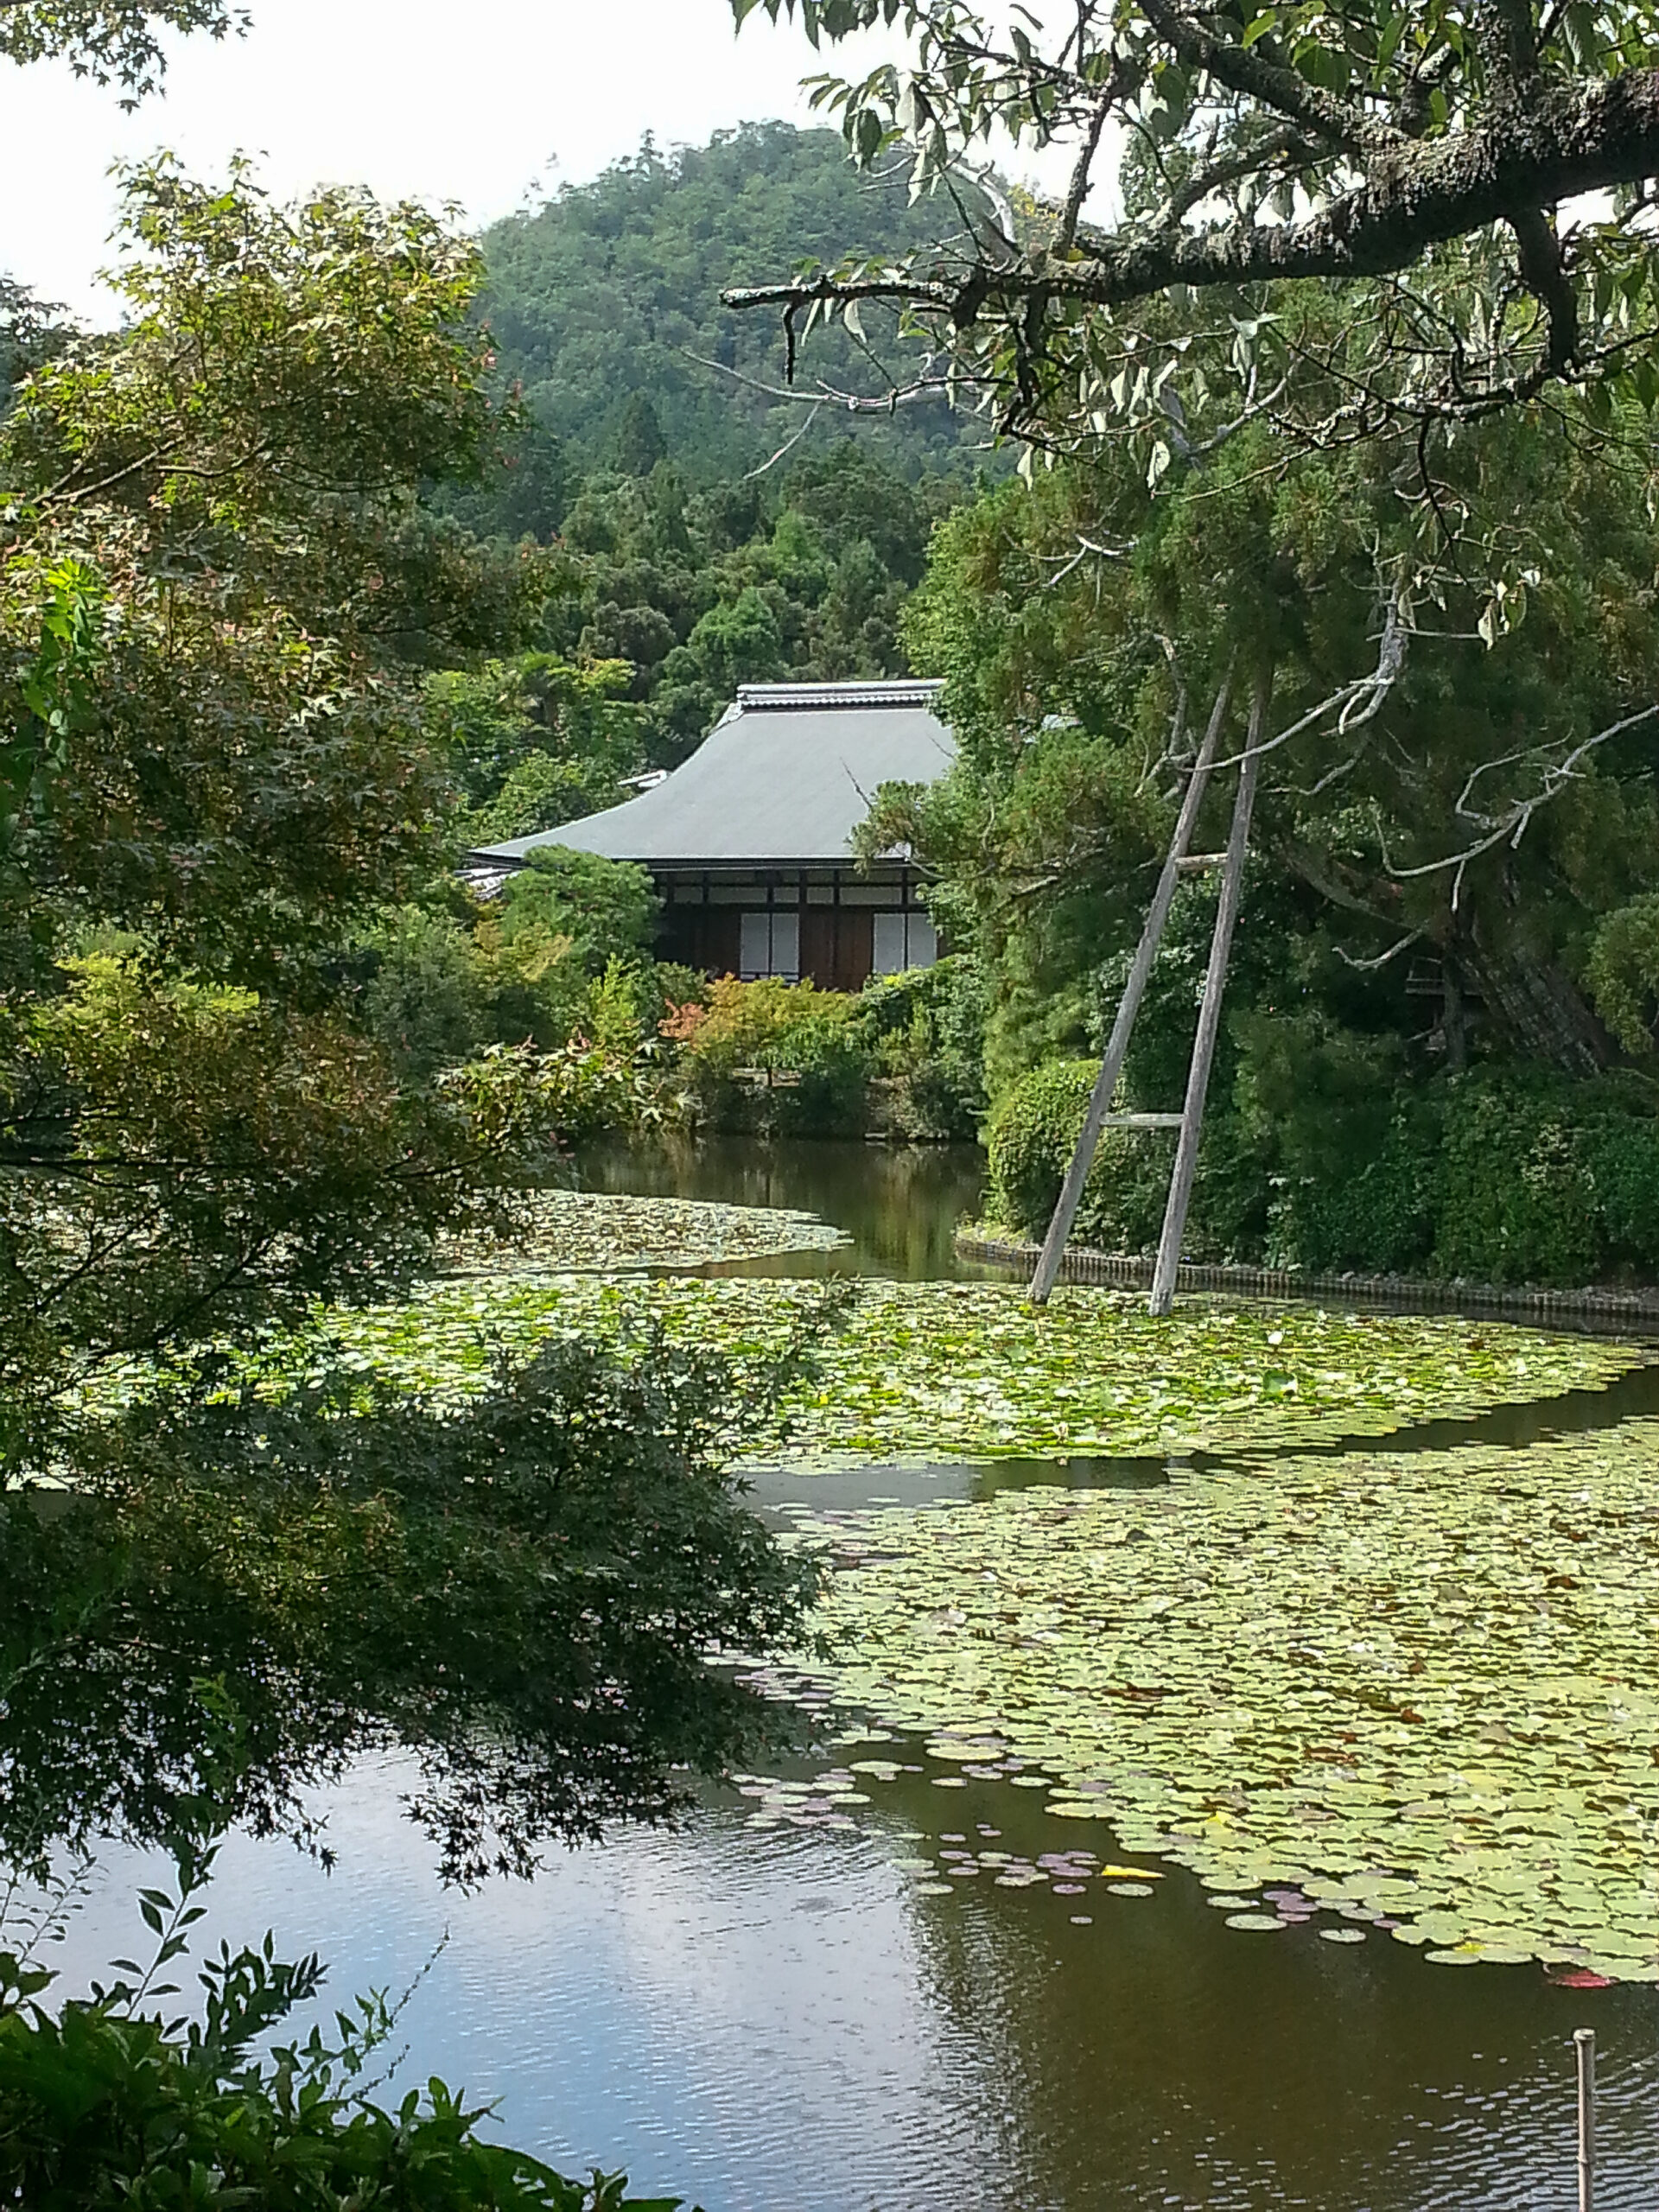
[(837, 946), (704, 937)]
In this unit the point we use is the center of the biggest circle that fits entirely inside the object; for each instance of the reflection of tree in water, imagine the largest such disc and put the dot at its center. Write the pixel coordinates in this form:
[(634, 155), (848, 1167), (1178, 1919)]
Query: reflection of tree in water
[(521, 1593), (1157, 2056), (899, 1204)]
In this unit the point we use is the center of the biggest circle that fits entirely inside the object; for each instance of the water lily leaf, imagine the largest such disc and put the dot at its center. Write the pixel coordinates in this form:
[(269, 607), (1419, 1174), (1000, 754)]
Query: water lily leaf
[(914, 1370), (1369, 1692)]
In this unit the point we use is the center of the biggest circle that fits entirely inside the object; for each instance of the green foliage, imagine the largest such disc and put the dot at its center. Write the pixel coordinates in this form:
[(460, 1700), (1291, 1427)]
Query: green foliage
[(1346, 190), (1031, 1133), (601, 301), (700, 590), (239, 1074), (640, 441), (426, 999), (1070, 681), (902, 1057), (913, 1370), (604, 907), (557, 962), (241, 766), (925, 1033), (775, 1058), (1499, 1176), (1547, 1182), (31, 334), (1623, 972), (534, 741), (102, 2111), (1369, 962), (737, 644), (678, 557), (111, 41), (181, 1154)]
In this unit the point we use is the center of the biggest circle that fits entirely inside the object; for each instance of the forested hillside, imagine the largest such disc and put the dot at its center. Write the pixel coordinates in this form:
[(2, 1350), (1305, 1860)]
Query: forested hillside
[(604, 294), (699, 534)]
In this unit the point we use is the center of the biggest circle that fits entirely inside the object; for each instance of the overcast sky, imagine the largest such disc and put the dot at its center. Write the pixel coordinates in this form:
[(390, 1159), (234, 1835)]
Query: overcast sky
[(477, 104)]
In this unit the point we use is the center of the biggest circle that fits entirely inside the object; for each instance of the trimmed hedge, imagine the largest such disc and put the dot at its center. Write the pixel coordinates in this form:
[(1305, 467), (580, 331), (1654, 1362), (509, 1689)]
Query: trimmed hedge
[(1494, 1176), (1029, 1139)]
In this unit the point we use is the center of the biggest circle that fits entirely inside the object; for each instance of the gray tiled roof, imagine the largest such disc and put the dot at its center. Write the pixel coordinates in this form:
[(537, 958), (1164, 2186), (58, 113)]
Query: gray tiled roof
[(785, 776)]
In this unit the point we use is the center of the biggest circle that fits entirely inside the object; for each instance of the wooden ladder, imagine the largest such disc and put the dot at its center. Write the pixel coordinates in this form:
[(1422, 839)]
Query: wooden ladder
[(1190, 1119)]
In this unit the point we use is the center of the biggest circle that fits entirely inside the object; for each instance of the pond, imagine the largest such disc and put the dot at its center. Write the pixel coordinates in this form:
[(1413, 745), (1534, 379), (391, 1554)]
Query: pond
[(894, 1977), (898, 1205)]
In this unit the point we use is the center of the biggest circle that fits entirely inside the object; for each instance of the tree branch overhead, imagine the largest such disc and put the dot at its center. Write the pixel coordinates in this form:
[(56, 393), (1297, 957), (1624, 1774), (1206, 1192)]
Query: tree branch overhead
[(1261, 150)]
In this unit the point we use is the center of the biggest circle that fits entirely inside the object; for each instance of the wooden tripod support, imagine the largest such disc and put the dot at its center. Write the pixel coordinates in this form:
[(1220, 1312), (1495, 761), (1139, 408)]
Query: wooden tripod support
[(1190, 1119)]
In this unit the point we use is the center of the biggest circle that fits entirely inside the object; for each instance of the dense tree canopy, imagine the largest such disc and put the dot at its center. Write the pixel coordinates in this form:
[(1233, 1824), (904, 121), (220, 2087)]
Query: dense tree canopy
[(213, 762), (1419, 795), (227, 759), (521, 1593), (605, 301), (740, 582)]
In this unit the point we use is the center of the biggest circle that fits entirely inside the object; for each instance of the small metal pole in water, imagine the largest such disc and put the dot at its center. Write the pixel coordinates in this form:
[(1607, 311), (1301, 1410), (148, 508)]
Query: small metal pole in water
[(1585, 2038)]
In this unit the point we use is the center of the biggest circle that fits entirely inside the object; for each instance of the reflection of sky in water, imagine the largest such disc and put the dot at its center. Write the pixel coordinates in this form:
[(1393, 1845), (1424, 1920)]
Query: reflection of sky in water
[(768, 2020), (745, 2020)]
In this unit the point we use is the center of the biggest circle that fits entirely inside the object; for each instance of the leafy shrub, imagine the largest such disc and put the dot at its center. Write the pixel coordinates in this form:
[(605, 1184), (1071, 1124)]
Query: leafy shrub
[(604, 907), (1033, 1132), (747, 1036), (1546, 1180), (539, 794), (1344, 1149), (925, 1033), (428, 997), (1623, 973)]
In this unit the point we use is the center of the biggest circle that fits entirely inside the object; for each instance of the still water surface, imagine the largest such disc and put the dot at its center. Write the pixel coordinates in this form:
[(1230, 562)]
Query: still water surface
[(775, 2021), (900, 1206), (772, 2019)]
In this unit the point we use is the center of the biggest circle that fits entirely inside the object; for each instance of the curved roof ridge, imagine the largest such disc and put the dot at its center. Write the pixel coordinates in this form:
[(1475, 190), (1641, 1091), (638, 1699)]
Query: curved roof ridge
[(867, 691)]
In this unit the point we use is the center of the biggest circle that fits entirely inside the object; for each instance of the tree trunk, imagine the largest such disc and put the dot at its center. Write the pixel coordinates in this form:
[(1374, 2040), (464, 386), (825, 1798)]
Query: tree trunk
[(1532, 1003)]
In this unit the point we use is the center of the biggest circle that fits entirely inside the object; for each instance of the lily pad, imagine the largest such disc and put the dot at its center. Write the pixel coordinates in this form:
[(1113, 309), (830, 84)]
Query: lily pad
[(558, 1231), (1418, 1688), (906, 1371)]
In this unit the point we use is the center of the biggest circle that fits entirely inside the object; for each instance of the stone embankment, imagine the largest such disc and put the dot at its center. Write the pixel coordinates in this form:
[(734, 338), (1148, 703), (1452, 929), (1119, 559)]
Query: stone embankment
[(1637, 1310)]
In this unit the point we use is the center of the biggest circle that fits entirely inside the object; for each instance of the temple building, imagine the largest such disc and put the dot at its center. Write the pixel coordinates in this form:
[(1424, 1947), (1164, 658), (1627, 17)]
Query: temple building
[(750, 840)]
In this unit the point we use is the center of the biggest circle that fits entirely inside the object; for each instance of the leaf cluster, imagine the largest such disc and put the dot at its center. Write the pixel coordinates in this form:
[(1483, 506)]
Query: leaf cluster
[(1415, 167)]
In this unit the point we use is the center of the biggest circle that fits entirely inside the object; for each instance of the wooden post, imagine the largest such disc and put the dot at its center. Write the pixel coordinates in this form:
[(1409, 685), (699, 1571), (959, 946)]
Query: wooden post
[(1100, 1099), (1584, 2040), (1204, 1049)]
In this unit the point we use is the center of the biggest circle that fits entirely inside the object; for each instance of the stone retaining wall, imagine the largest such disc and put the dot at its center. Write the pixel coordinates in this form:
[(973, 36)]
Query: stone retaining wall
[(1634, 1309)]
